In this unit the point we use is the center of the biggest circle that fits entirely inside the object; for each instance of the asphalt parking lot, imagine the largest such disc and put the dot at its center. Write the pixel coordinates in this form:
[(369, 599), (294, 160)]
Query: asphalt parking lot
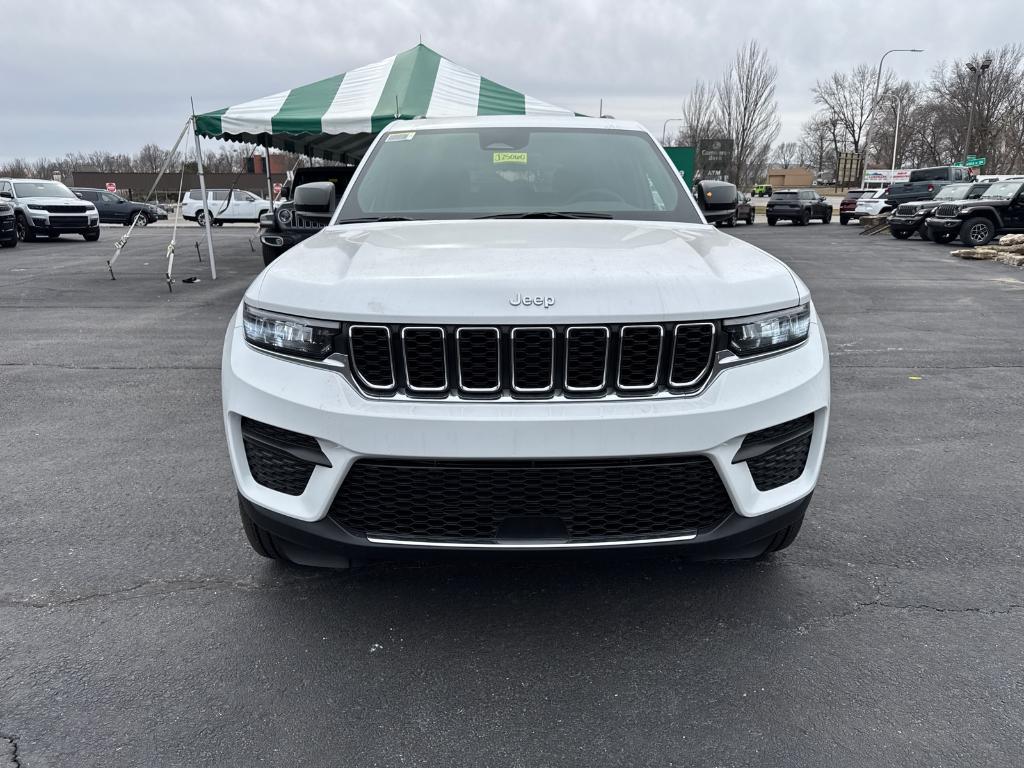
[(138, 629)]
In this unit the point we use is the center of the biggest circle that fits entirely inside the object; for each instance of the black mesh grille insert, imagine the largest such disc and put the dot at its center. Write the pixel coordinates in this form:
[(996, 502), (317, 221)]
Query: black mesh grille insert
[(371, 355), (780, 466), (591, 500), (279, 434), (691, 357), (533, 359), (947, 210), (277, 469), (586, 358), (639, 356), (479, 354), (425, 360), (780, 430)]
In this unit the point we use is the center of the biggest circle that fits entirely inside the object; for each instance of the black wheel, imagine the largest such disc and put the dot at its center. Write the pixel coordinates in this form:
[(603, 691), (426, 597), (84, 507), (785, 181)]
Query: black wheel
[(804, 220), (731, 221), (24, 230), (771, 221), (750, 217), (91, 237), (826, 218), (53, 237), (844, 220), (901, 234), (977, 231), (9, 243), (140, 219), (943, 237), (270, 253), (201, 218), (783, 538), (260, 540), (922, 232)]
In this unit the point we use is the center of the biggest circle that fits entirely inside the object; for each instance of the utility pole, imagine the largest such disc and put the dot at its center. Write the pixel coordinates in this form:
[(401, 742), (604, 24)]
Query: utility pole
[(977, 70), (866, 144)]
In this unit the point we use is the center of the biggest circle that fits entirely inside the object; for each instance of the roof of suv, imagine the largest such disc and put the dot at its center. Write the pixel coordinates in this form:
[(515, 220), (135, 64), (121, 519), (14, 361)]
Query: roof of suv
[(532, 121)]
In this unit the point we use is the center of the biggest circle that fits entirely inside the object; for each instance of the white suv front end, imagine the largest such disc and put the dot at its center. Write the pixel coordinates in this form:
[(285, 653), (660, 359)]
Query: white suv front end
[(540, 354)]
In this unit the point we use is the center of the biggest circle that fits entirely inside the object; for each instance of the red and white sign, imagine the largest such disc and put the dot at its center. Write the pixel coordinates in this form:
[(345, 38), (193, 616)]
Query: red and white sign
[(111, 186), (277, 189)]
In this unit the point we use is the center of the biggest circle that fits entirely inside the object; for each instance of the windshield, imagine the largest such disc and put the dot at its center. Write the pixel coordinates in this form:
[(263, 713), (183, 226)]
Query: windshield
[(785, 196), (42, 189), (930, 174), (954, 192), (1003, 190), (467, 173)]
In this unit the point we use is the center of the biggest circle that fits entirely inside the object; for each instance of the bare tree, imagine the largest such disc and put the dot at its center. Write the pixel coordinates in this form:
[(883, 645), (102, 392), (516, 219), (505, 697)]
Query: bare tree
[(847, 96), (150, 158), (785, 153), (816, 143), (698, 115), (747, 112)]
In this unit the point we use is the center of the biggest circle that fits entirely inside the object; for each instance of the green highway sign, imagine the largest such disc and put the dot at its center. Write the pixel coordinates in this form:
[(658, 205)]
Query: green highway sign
[(975, 162)]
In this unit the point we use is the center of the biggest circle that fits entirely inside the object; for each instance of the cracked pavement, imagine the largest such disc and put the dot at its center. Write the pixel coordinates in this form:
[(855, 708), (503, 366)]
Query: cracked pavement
[(138, 629)]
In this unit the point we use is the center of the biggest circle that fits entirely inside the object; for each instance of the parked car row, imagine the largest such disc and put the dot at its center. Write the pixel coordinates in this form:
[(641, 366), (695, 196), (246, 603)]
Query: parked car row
[(47, 209)]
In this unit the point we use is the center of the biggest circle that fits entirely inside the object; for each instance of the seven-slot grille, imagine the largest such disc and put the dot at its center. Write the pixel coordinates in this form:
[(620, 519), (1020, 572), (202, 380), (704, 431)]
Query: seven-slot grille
[(530, 361), (907, 210), (947, 210)]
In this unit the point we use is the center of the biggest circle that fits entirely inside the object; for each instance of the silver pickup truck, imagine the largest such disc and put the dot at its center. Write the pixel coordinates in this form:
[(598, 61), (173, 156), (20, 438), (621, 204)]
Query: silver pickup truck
[(925, 182)]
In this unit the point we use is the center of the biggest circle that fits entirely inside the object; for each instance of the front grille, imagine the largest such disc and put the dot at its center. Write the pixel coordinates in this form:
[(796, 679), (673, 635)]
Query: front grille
[(947, 211), (66, 208), (907, 210), (309, 221), (277, 469), (489, 501), (67, 222), (530, 361)]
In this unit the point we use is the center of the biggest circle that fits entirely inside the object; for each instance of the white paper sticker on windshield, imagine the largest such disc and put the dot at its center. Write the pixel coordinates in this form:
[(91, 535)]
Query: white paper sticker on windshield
[(403, 136)]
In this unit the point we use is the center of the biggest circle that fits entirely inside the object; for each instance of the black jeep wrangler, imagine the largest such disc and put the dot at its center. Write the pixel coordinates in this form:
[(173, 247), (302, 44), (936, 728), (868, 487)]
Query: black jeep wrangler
[(999, 210), (909, 218), (312, 196)]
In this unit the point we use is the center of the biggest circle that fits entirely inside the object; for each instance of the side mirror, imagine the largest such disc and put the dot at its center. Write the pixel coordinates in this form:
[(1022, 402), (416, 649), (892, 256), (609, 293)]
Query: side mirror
[(315, 197), (8, 195)]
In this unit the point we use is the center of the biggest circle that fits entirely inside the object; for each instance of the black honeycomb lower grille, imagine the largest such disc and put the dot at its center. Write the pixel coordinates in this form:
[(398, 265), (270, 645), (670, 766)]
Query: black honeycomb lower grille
[(784, 451), (492, 501), (277, 469)]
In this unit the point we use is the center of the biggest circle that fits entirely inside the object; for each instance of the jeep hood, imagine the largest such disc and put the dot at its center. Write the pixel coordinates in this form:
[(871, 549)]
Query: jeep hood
[(472, 271), (54, 201)]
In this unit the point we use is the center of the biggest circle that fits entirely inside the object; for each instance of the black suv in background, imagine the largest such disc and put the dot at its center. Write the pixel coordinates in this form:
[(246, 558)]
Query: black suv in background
[(909, 218), (306, 211), (8, 232), (114, 209), (998, 211), (798, 206)]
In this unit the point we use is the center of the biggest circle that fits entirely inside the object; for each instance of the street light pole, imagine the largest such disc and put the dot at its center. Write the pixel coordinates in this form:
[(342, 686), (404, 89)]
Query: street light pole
[(978, 71), (664, 129), (874, 99), (895, 140)]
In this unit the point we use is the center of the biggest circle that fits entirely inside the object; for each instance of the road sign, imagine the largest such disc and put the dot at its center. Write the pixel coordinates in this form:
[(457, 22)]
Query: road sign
[(277, 189), (975, 162), (111, 186)]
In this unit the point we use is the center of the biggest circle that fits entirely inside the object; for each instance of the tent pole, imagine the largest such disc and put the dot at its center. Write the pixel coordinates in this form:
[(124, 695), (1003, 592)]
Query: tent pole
[(167, 161), (206, 207), (266, 167)]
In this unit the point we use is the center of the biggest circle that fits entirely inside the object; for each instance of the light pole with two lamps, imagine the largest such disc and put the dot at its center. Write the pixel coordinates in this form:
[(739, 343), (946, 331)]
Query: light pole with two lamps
[(977, 70), (874, 99)]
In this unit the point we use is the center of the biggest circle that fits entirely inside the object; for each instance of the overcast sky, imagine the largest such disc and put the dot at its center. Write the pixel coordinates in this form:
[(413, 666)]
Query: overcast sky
[(116, 74)]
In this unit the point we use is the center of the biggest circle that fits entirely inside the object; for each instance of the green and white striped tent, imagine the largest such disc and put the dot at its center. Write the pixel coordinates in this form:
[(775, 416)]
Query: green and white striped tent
[(337, 118)]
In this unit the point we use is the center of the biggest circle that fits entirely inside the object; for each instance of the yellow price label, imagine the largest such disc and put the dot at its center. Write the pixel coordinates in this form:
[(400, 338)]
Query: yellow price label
[(509, 157)]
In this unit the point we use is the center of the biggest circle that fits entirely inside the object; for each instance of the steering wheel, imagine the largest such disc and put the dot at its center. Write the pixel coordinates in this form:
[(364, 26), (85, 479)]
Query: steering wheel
[(597, 193)]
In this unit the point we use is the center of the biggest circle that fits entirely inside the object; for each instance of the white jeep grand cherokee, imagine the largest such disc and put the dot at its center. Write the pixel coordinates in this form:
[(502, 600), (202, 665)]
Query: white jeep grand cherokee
[(519, 334)]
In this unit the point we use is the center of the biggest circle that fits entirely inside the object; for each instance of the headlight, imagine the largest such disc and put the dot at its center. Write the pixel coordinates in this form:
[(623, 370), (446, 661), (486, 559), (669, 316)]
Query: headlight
[(266, 219), (284, 215), (289, 334), (36, 207), (764, 333)]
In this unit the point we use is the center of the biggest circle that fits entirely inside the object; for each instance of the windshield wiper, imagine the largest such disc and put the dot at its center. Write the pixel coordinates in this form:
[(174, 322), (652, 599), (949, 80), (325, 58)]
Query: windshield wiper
[(373, 219), (549, 215)]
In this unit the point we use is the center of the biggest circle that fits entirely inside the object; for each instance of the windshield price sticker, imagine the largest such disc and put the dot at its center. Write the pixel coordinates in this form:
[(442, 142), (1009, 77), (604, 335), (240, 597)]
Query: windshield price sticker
[(510, 157), (404, 136)]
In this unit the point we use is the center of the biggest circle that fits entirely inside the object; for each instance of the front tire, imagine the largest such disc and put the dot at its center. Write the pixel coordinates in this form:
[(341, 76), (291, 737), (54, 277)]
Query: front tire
[(901, 234), (201, 218), (24, 230), (771, 221), (804, 220), (977, 231), (750, 217), (140, 219), (844, 220), (826, 218), (941, 238), (91, 237), (922, 232), (9, 243)]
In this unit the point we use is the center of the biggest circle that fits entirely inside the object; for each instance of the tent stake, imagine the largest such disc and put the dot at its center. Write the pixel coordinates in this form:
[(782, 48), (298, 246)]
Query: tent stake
[(198, 254)]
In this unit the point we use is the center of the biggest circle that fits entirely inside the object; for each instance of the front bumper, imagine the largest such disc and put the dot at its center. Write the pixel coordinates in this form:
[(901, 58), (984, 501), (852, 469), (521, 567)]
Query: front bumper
[(937, 224), (283, 239), (55, 225), (349, 426), (7, 229), (907, 223)]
